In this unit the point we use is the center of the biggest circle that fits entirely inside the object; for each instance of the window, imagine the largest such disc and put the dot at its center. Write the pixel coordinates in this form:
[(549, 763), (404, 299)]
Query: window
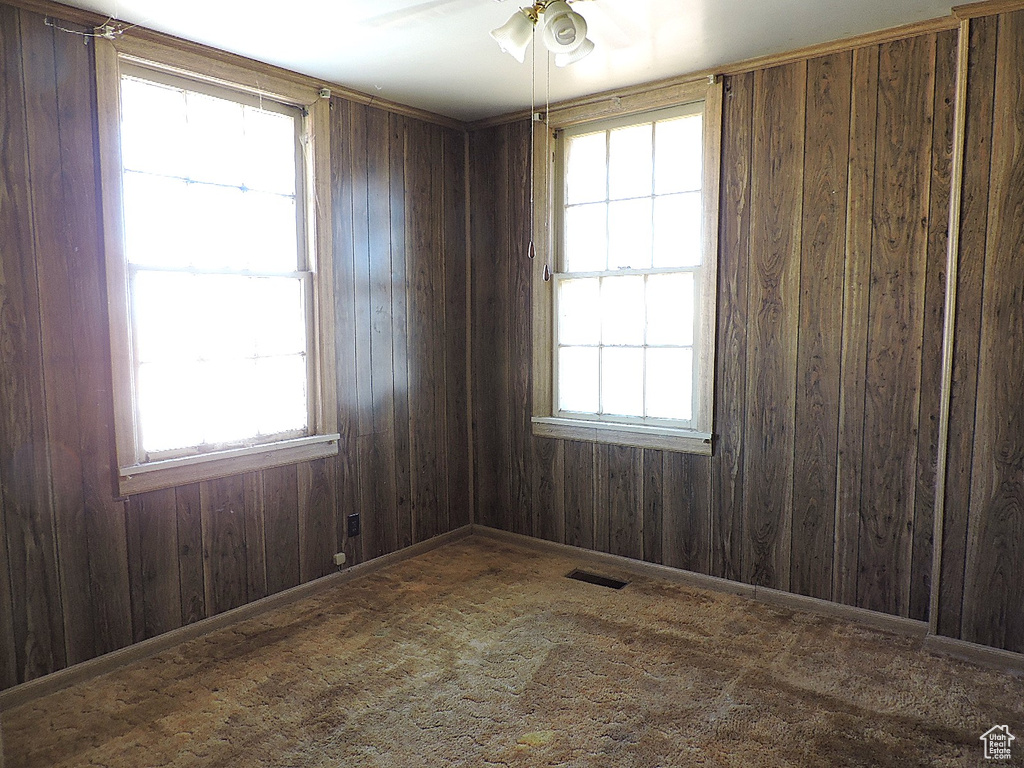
[(632, 293), (215, 286)]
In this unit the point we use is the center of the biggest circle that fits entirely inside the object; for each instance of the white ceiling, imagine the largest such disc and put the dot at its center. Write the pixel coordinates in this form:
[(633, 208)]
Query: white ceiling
[(437, 54)]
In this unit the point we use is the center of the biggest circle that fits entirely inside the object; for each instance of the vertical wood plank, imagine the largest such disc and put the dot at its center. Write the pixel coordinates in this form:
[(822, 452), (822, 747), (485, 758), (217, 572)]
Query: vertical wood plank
[(995, 546), (687, 504), (317, 500), (974, 222), (895, 320), (823, 228), (579, 494), (255, 536), (773, 317), (156, 587), (731, 352), (28, 524), (455, 264), (191, 562), (625, 501), (549, 487), (602, 513), (654, 518), (934, 308), (281, 505), (222, 506)]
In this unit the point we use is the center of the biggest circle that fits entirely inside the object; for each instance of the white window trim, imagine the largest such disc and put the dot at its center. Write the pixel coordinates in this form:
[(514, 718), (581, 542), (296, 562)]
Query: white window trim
[(135, 475), (547, 422)]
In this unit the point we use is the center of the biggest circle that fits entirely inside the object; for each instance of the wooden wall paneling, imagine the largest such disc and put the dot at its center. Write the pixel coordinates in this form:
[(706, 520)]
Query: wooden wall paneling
[(520, 369), (488, 324), (895, 323), (346, 481), (191, 560), (995, 544), (454, 256), (255, 536), (731, 342), (27, 500), (823, 248), (687, 485), (625, 478), (51, 244), (426, 332), (380, 532), (856, 287), (281, 510), (602, 515), (222, 506), (8, 659), (153, 549), (578, 493), (400, 329), (317, 518), (549, 488), (773, 317), (934, 309), (104, 516), (654, 518), (974, 222)]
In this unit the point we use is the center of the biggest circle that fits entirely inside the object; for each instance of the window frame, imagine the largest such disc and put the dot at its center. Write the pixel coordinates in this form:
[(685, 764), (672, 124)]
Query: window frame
[(612, 109), (135, 473)]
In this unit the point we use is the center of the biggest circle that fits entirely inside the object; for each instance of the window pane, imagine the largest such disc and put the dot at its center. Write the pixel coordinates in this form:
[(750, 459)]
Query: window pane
[(629, 234), (228, 317), (215, 140), (622, 310), (585, 238), (670, 383), (670, 300), (280, 394), (579, 311), (170, 397), (678, 154), (270, 232), (167, 311), (153, 127), (677, 230), (230, 410), (279, 317), (577, 379), (154, 209), (622, 381), (217, 226), (629, 162), (585, 179), (269, 151)]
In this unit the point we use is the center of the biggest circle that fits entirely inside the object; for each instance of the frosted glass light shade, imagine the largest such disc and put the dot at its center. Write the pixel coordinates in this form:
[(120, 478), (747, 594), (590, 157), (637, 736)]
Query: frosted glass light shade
[(515, 34), (565, 59), (564, 29)]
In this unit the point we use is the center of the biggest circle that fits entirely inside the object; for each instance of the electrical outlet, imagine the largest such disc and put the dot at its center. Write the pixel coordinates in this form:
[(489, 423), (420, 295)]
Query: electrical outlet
[(353, 525), (339, 559)]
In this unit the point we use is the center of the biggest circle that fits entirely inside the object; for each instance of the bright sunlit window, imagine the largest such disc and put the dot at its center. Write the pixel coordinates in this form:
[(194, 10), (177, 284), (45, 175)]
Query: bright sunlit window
[(631, 277), (218, 284)]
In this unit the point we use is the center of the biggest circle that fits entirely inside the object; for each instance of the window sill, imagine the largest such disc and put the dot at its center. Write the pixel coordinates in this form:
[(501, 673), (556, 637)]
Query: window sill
[(637, 435), (167, 473)]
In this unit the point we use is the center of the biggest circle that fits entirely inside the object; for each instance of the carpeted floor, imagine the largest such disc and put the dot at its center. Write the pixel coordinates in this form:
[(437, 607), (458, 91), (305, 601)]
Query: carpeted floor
[(482, 654)]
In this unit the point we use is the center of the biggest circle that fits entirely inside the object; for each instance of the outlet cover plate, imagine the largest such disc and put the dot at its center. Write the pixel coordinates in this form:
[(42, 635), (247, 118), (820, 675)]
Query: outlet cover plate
[(353, 525)]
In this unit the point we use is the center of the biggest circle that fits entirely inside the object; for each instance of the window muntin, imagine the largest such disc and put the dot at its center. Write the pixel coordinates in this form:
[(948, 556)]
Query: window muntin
[(219, 285), (630, 271)]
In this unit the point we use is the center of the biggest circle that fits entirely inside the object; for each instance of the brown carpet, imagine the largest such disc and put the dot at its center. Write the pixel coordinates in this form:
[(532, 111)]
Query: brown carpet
[(482, 654)]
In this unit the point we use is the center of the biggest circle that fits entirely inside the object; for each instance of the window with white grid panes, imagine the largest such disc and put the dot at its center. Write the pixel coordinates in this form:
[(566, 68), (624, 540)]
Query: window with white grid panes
[(219, 283), (630, 272)]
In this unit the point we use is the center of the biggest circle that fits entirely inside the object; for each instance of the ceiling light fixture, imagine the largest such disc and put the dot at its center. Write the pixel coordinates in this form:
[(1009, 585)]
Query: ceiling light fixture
[(564, 32)]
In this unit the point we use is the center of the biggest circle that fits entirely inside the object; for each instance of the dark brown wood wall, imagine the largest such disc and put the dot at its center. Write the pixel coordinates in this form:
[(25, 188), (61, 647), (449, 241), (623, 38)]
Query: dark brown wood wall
[(82, 572), (833, 219), (982, 584)]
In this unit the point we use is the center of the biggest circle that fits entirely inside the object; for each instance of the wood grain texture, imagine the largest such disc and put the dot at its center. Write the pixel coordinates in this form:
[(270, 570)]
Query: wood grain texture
[(974, 222), (222, 506), (686, 527), (895, 320), (578, 494), (624, 500), (281, 510), (731, 342), (317, 521), (823, 250), (654, 505), (549, 488), (773, 298), (153, 548), (995, 541), (255, 536), (190, 553)]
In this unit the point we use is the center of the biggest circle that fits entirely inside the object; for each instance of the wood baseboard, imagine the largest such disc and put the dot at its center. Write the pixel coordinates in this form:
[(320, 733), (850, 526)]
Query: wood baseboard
[(101, 665), (993, 658)]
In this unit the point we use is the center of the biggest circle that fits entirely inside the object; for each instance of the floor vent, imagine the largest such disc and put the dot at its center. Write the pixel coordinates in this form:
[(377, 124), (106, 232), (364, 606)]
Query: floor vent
[(593, 578)]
